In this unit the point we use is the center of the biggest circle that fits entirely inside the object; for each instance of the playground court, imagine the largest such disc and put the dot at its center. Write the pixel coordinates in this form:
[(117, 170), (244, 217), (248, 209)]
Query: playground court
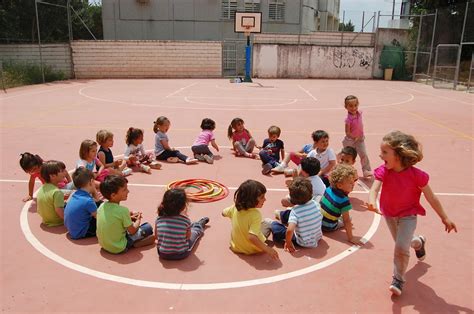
[(43, 270)]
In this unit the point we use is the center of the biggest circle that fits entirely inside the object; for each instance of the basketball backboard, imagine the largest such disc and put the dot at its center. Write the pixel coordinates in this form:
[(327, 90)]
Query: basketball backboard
[(248, 22)]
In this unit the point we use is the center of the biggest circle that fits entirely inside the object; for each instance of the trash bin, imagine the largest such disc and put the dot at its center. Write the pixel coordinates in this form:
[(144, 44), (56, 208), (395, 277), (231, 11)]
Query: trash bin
[(387, 74)]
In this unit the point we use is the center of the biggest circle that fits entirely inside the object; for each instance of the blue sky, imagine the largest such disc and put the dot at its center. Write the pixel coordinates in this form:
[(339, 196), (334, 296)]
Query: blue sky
[(354, 8)]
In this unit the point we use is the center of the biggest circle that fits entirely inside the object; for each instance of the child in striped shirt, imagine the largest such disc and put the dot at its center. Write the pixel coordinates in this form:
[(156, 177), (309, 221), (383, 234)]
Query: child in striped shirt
[(335, 202), (174, 231), (304, 222)]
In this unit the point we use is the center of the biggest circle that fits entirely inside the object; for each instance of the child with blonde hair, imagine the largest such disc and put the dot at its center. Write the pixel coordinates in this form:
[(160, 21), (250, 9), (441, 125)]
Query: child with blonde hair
[(174, 231), (135, 154), (200, 147), (242, 141), (400, 200), (335, 203), (246, 234), (355, 132), (105, 139), (163, 150)]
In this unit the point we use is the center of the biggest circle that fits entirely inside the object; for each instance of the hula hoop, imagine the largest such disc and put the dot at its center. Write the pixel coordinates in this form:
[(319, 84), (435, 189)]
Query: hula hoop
[(207, 190)]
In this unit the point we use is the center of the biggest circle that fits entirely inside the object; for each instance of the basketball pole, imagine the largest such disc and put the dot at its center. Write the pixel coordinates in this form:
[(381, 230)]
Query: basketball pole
[(248, 55)]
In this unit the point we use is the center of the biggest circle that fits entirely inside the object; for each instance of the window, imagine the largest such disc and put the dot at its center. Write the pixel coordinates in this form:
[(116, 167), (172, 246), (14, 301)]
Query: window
[(228, 9), (252, 5), (276, 10)]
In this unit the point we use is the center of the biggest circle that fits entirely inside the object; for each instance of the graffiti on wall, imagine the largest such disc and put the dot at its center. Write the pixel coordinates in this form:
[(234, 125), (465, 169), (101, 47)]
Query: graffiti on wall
[(350, 57)]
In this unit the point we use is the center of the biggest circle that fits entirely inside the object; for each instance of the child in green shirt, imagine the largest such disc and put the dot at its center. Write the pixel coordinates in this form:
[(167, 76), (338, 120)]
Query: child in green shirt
[(50, 199)]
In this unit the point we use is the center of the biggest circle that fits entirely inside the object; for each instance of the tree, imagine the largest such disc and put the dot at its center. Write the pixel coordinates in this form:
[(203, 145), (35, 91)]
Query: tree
[(18, 21), (347, 27)]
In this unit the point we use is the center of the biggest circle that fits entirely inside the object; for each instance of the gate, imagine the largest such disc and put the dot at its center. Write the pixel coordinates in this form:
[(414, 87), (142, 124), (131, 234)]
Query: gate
[(233, 57), (444, 74)]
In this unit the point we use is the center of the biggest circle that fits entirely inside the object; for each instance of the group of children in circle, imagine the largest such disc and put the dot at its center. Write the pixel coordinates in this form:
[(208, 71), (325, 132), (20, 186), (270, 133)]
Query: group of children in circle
[(317, 202)]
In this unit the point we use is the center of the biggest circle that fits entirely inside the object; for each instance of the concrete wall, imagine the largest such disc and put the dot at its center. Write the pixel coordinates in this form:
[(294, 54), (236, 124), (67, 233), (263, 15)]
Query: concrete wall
[(385, 36), (57, 56), (147, 59), (308, 61)]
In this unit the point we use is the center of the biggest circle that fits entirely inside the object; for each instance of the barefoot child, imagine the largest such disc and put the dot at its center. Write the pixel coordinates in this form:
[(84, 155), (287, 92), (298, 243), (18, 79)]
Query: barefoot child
[(400, 200)]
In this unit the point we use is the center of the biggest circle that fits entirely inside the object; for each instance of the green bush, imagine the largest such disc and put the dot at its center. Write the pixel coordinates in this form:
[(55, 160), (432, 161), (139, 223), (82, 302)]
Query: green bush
[(22, 73)]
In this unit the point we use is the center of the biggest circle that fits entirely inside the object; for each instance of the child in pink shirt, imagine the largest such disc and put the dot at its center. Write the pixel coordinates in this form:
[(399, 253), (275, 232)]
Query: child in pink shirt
[(400, 200), (200, 147), (355, 132), (242, 142)]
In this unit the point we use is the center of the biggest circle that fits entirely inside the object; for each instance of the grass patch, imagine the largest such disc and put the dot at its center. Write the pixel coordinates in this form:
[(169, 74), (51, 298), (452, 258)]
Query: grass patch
[(22, 73)]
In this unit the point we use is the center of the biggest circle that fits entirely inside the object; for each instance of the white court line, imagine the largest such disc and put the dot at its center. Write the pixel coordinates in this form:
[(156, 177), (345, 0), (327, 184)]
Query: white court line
[(181, 89), (81, 92), (186, 286), (307, 92), (40, 92), (186, 98), (439, 96)]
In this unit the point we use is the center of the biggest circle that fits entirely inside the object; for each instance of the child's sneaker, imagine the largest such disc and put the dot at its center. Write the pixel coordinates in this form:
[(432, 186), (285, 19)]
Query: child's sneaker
[(279, 169), (199, 157), (155, 165), (190, 161), (172, 160), (126, 171), (396, 287), (277, 214), (208, 159), (267, 168), (203, 221), (421, 252), (266, 227), (145, 168), (289, 172)]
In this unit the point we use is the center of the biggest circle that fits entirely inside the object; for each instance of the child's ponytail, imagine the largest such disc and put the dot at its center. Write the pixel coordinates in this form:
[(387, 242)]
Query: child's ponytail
[(128, 136), (230, 131), (28, 161)]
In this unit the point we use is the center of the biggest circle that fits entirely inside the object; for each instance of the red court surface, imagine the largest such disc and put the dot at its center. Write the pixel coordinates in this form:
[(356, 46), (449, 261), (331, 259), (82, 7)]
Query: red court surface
[(43, 270)]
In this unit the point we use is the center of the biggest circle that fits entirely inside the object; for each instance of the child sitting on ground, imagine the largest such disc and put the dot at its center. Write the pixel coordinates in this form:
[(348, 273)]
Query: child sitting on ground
[(271, 149), (325, 155), (105, 139), (242, 142), (304, 220), (174, 231), (135, 154), (309, 169), (50, 199), (200, 147), (163, 150), (31, 164), (246, 234), (89, 160), (296, 157), (80, 212), (336, 204), (347, 156), (117, 228)]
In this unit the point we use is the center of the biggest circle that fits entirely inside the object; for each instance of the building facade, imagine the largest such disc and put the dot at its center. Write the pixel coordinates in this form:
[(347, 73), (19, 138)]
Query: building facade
[(212, 19)]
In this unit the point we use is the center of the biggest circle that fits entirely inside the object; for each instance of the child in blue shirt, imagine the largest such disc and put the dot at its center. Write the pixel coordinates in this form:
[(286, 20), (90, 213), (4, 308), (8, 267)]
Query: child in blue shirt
[(81, 209), (271, 149)]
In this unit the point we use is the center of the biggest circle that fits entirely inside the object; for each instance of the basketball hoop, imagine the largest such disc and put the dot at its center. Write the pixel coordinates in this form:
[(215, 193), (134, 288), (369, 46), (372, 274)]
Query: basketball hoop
[(247, 30)]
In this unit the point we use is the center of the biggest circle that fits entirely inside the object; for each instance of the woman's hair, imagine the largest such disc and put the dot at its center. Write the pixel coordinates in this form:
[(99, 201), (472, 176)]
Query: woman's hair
[(319, 134), (301, 191), (102, 136), (248, 193), (340, 173), (111, 184), (132, 135), (208, 124), (274, 130), (349, 98), (85, 148), (159, 121), (232, 126), (28, 161), (405, 146), (49, 168), (173, 203)]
